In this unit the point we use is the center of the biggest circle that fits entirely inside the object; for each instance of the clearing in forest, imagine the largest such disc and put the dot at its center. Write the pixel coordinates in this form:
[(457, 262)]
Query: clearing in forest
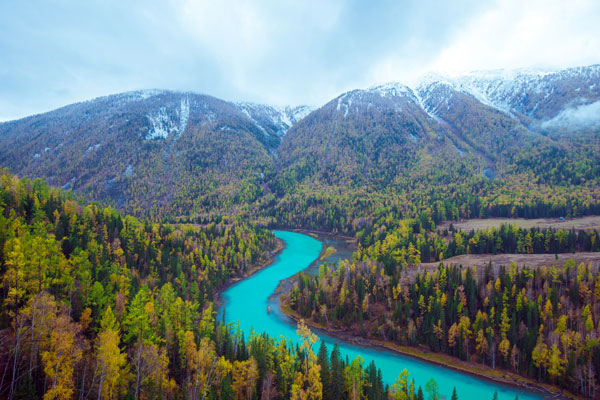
[(531, 260), (591, 222)]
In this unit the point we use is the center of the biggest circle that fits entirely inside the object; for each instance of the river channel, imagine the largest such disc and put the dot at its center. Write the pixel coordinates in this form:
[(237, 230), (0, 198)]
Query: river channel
[(247, 302)]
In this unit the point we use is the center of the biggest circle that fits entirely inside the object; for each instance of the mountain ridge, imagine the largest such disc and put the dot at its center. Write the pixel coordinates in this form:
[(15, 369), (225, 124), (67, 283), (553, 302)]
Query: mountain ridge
[(487, 86), (161, 152)]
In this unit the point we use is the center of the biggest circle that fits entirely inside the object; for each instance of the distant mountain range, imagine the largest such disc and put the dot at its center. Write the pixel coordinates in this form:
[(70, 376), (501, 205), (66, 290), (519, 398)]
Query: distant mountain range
[(156, 152)]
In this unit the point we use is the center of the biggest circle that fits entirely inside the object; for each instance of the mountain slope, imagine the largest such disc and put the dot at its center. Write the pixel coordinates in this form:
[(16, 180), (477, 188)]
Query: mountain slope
[(360, 135), (472, 123), (557, 100), (274, 120), (143, 149), (509, 139)]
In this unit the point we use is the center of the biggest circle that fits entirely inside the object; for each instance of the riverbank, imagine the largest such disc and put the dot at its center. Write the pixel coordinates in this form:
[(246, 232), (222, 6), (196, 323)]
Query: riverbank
[(334, 248), (258, 267), (247, 304), (316, 234), (440, 359)]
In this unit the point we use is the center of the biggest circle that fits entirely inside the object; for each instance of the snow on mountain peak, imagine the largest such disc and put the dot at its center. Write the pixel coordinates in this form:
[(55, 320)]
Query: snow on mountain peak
[(392, 89), (163, 124), (393, 95), (429, 79), (147, 93), (520, 93), (298, 113), (277, 119)]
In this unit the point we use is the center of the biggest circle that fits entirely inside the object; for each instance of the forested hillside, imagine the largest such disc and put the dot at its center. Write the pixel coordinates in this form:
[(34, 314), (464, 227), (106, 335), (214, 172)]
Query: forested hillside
[(99, 305), (370, 155), (539, 322), (453, 148), (153, 153)]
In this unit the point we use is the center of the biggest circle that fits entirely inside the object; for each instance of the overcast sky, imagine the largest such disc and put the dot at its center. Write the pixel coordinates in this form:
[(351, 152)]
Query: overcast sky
[(56, 52)]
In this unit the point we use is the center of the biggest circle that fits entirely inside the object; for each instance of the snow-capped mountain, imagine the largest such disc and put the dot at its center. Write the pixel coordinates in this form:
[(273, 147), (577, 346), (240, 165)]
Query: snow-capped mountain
[(491, 115), (273, 119), (540, 99), (153, 148), (389, 96), (161, 139), (360, 135)]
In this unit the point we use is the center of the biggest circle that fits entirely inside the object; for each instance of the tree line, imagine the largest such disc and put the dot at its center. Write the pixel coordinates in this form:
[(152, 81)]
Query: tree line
[(409, 243), (538, 322)]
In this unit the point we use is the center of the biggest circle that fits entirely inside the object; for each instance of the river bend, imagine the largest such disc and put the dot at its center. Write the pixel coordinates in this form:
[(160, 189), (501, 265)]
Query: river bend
[(247, 301)]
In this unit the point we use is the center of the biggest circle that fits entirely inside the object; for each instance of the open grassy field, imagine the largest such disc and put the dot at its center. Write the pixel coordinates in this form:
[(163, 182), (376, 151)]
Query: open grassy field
[(592, 222), (531, 260)]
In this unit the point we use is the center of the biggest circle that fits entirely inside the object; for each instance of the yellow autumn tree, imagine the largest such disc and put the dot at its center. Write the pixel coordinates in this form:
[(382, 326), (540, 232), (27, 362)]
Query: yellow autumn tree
[(308, 339), (111, 362), (556, 365), (245, 374), (154, 372), (481, 344), (308, 387), (504, 348), (314, 388), (297, 391), (452, 334), (286, 362), (60, 354), (400, 387), (222, 369), (539, 355)]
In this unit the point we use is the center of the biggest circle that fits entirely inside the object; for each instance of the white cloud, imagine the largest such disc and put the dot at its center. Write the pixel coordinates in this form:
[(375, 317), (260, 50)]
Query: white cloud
[(281, 52), (535, 33), (586, 116)]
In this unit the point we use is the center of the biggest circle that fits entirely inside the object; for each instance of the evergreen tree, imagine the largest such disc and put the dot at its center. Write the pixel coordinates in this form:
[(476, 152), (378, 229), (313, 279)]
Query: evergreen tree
[(454, 395), (323, 361), (337, 374)]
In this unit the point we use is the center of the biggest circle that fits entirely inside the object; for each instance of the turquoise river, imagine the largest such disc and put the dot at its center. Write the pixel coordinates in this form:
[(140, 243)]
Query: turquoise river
[(247, 301)]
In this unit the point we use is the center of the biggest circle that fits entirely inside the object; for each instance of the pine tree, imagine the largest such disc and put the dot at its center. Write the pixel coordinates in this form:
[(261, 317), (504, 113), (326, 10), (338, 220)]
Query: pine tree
[(325, 373), (454, 395), (337, 374), (354, 382), (138, 323)]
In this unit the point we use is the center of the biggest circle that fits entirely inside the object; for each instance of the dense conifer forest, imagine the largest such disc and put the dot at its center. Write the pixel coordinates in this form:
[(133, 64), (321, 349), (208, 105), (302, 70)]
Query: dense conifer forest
[(98, 305)]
